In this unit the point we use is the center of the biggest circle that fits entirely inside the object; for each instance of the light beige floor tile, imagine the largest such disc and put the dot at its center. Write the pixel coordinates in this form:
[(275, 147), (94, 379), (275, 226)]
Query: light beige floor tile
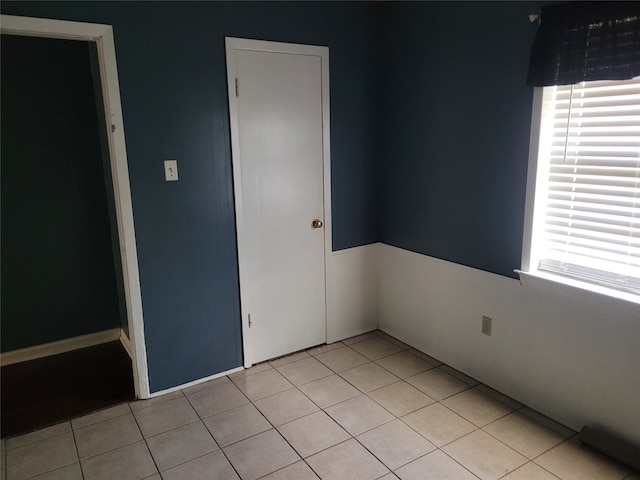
[(347, 460), (524, 435), (259, 368), (360, 338), (155, 476), (484, 456), (475, 406), (508, 401), (101, 416), (404, 364), (70, 472), (131, 462), (313, 433), (368, 377), (216, 399), (389, 476), (208, 384), (304, 371), (427, 358), (165, 416), (571, 461), (36, 458), (359, 414), (101, 437), (297, 471), (438, 424), (342, 359), (329, 391), (324, 348), (434, 466), (395, 341), (181, 445), (294, 357), (459, 375), (285, 406), (437, 383), (213, 466), (237, 424), (52, 431), (395, 444), (3, 460), (547, 422), (138, 405), (530, 471), (375, 348), (262, 384), (400, 398), (258, 456)]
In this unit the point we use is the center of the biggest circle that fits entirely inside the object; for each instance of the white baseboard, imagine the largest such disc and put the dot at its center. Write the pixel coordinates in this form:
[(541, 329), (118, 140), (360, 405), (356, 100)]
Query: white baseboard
[(61, 346), (195, 382), (126, 343)]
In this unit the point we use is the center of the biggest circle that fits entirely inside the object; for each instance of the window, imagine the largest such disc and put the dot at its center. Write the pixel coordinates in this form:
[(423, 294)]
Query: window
[(584, 184)]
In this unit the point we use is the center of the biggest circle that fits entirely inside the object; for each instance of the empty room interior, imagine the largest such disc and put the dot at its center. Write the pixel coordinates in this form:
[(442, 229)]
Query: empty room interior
[(412, 327)]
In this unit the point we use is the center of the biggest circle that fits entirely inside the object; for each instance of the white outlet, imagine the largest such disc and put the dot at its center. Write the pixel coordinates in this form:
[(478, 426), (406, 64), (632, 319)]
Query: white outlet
[(171, 170), (486, 325)]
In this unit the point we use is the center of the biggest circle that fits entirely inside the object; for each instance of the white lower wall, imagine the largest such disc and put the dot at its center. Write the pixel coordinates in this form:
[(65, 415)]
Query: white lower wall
[(352, 298), (573, 357)]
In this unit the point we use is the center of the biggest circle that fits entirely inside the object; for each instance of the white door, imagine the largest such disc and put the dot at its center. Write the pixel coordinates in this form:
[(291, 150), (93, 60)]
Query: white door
[(278, 101)]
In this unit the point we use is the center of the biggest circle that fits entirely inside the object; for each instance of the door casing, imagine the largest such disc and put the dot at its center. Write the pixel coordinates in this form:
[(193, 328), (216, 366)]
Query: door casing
[(102, 35), (233, 44)]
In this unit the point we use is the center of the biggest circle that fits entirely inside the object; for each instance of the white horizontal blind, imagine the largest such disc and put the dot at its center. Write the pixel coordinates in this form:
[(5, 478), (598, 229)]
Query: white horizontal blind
[(591, 216)]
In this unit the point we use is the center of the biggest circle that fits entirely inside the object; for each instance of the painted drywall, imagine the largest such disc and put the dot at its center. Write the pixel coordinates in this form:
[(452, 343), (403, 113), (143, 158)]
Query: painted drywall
[(172, 76), (58, 278), (456, 120), (571, 355)]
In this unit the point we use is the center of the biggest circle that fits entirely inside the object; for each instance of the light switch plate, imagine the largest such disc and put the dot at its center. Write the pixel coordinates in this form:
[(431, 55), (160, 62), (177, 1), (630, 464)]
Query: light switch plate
[(171, 170)]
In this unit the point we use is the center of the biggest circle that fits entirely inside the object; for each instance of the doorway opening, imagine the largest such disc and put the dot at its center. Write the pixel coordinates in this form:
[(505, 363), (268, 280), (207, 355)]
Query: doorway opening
[(66, 195)]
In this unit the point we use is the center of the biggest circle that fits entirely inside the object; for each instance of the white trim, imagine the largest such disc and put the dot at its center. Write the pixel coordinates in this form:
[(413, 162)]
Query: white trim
[(126, 343), (60, 346), (231, 45), (532, 174), (103, 36), (576, 288), (195, 382)]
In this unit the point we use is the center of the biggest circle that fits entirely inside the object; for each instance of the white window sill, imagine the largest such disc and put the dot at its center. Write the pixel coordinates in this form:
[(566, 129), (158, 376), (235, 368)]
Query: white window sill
[(572, 287)]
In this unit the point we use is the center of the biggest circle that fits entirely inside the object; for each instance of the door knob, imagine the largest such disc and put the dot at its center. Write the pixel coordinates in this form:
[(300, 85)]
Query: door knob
[(316, 223)]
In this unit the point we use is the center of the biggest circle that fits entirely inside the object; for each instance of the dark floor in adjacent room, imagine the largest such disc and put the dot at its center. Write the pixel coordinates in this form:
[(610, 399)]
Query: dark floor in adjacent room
[(41, 392)]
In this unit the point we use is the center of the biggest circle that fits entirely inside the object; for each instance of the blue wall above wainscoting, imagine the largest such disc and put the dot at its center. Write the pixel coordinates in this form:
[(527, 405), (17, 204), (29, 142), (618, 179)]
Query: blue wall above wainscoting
[(171, 65), (456, 120)]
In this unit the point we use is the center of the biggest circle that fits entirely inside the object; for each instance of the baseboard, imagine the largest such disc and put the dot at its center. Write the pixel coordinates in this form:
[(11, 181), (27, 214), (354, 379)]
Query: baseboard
[(126, 343), (195, 382), (61, 346)]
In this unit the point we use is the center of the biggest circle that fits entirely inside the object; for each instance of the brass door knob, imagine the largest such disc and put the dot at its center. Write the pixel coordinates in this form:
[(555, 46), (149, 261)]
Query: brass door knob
[(316, 223)]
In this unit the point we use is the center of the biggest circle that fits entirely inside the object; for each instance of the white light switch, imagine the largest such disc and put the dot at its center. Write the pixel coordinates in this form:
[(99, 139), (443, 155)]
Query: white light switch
[(171, 170)]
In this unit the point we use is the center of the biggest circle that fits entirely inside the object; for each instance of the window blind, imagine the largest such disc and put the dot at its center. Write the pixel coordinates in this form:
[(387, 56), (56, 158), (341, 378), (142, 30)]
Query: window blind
[(591, 218)]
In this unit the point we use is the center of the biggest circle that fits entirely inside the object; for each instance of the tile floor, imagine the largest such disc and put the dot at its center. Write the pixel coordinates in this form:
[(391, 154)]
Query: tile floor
[(368, 407)]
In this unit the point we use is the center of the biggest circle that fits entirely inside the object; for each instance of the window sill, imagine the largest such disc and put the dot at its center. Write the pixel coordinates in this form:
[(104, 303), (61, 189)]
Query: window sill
[(586, 291)]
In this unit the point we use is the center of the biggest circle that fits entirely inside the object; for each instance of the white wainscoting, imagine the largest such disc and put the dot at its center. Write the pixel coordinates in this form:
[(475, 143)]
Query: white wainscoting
[(352, 301), (573, 357)]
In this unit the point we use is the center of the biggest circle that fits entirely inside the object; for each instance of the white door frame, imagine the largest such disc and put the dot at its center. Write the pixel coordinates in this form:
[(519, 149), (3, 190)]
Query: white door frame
[(233, 44), (102, 35)]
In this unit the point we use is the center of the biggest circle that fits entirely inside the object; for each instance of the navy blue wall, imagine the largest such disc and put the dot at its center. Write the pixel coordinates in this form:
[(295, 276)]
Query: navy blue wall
[(457, 118), (171, 67), (58, 275)]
